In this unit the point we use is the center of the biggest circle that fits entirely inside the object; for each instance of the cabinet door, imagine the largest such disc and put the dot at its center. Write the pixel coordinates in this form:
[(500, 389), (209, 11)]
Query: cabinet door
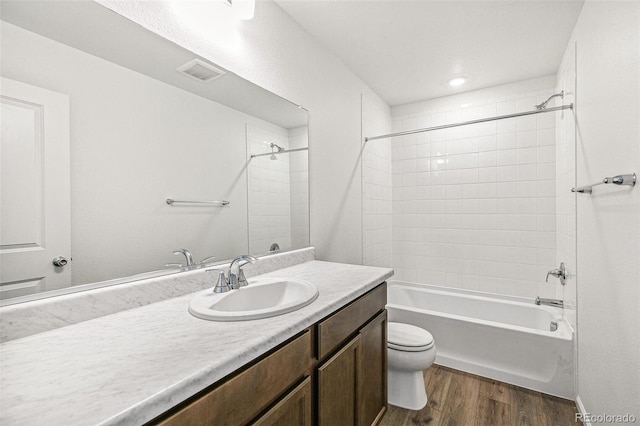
[(338, 386), (293, 410), (372, 399)]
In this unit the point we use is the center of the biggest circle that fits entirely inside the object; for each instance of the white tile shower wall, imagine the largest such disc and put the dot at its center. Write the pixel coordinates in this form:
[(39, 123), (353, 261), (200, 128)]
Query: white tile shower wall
[(299, 181), (565, 180), (474, 206), (376, 187), (269, 191)]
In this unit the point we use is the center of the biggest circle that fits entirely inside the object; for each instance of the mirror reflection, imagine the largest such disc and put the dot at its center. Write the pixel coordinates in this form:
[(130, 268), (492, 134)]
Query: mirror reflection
[(278, 189), (103, 122)]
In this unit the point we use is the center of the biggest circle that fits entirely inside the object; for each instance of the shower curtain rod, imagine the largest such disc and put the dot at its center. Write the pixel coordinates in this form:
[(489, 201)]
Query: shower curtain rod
[(286, 151), (480, 120)]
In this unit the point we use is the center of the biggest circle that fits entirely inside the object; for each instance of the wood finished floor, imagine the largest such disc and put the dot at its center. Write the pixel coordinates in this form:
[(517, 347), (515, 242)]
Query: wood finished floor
[(462, 399)]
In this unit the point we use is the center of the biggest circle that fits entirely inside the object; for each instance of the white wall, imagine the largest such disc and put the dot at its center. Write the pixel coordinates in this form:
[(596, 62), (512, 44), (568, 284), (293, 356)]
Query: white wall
[(376, 186), (607, 39), (474, 206), (565, 180), (134, 142), (274, 52)]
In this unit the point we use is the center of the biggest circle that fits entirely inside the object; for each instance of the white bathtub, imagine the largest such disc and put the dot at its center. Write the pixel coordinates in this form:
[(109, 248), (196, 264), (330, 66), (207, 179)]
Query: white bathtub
[(503, 338)]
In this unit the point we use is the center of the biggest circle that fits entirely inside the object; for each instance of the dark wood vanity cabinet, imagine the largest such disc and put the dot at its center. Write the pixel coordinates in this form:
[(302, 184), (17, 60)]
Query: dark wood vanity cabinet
[(334, 373), (352, 381)]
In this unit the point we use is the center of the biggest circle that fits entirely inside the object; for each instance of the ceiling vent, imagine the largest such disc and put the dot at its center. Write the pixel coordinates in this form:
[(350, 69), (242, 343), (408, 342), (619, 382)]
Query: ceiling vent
[(200, 70)]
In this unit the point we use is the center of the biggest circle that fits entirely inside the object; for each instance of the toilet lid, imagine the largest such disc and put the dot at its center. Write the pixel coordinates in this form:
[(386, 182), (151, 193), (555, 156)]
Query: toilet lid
[(407, 337)]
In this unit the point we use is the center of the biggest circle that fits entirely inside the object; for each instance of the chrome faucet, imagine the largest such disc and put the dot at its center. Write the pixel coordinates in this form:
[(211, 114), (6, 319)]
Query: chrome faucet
[(187, 256), (550, 302), (560, 273), (235, 277)]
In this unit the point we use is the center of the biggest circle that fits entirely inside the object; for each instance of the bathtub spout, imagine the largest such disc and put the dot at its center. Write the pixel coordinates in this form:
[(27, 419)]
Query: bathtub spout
[(550, 302)]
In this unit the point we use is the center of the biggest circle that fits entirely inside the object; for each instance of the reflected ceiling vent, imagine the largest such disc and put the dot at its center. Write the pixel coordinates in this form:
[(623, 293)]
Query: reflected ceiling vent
[(200, 70)]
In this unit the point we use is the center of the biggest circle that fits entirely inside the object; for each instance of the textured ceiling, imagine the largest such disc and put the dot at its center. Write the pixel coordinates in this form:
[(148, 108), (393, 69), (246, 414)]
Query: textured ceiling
[(407, 50)]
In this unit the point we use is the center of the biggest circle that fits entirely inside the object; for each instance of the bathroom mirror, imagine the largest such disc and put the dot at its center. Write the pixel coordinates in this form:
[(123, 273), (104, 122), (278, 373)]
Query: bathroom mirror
[(105, 122)]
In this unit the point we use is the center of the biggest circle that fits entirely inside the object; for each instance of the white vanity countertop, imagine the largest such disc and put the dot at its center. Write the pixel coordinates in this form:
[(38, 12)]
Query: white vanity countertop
[(130, 367)]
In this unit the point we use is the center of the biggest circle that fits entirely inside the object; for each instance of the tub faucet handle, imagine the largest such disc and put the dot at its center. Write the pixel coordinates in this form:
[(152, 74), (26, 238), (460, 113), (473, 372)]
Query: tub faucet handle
[(560, 273)]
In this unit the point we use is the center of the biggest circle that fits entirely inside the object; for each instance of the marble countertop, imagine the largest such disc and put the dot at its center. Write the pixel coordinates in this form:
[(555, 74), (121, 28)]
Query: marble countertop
[(129, 367)]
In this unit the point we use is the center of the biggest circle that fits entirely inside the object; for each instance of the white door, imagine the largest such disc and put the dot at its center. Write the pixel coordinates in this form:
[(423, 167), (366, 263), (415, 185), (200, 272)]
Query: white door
[(35, 223)]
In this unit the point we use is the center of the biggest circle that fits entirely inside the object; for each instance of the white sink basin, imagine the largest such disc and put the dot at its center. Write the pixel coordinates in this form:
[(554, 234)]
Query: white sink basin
[(262, 298)]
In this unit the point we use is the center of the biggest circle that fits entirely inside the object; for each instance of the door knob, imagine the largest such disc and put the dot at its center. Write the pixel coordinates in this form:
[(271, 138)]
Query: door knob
[(59, 261)]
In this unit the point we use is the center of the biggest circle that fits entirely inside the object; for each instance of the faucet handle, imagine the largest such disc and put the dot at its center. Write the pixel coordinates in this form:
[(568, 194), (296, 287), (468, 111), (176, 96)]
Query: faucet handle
[(222, 286), (560, 273), (242, 280), (207, 259), (173, 265)]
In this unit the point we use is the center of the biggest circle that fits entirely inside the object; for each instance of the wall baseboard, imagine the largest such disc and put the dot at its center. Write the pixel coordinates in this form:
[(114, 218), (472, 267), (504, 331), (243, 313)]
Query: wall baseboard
[(582, 411)]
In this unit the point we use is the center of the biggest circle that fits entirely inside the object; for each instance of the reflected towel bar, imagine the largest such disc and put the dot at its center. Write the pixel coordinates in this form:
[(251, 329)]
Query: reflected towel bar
[(629, 180), (171, 202)]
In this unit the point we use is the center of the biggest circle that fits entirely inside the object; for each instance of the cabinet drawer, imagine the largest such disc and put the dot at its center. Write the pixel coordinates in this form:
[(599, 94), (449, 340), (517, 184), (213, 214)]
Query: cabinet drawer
[(337, 328), (244, 396)]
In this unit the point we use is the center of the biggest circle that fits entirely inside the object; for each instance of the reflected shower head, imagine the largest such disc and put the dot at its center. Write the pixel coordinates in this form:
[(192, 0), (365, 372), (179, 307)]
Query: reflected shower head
[(278, 147), (543, 105)]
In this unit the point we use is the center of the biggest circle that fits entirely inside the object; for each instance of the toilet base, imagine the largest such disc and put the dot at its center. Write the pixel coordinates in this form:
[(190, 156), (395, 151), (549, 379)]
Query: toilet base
[(406, 389)]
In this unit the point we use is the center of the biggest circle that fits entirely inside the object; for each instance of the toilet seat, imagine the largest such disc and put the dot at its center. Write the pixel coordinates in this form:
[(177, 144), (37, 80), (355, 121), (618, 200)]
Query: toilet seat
[(408, 338)]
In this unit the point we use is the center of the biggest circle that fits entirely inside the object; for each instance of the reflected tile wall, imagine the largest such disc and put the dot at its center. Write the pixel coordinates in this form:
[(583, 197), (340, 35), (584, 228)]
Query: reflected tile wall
[(299, 181), (269, 191)]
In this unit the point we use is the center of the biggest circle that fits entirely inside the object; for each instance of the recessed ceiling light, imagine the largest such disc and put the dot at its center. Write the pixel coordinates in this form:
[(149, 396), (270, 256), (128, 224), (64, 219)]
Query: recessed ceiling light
[(457, 81)]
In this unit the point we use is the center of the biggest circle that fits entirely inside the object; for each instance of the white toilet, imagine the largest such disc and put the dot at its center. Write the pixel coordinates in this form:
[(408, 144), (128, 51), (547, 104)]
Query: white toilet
[(410, 350)]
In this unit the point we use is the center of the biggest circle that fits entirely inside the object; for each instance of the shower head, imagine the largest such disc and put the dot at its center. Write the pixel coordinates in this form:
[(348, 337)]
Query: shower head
[(543, 105)]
